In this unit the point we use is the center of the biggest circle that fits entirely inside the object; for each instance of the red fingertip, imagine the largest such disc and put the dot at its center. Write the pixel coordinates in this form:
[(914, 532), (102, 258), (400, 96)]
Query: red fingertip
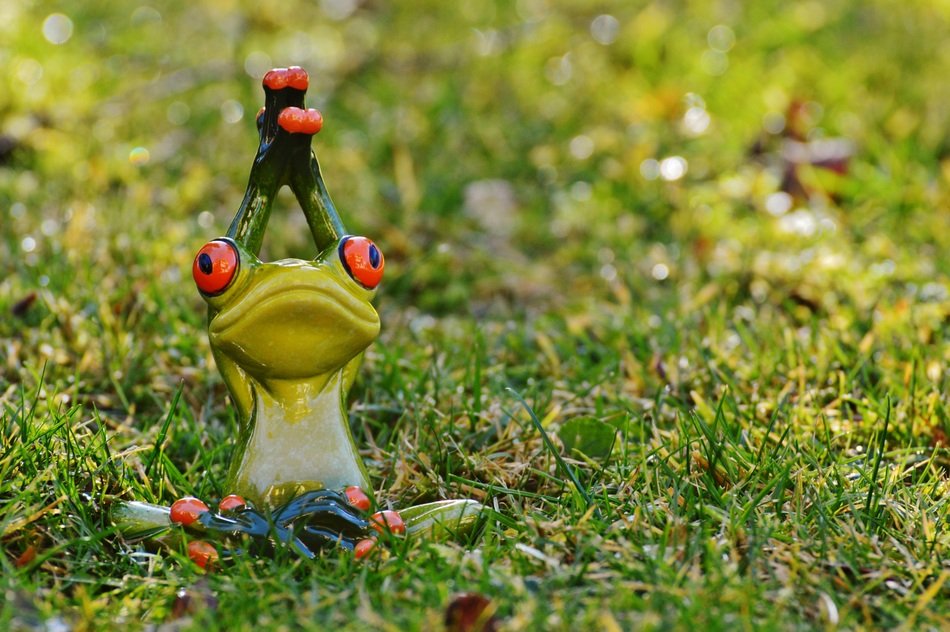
[(276, 79), (299, 121), (279, 78), (298, 78)]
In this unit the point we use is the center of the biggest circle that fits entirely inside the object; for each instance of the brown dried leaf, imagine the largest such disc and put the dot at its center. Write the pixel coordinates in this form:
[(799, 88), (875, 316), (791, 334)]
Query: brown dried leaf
[(471, 612), (26, 557), (21, 307), (190, 601)]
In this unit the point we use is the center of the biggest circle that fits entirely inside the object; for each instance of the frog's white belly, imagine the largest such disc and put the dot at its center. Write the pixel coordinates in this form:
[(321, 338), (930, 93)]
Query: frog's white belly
[(304, 441)]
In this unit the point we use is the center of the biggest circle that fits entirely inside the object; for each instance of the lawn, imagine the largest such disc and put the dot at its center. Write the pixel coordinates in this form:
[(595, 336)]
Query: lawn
[(714, 232)]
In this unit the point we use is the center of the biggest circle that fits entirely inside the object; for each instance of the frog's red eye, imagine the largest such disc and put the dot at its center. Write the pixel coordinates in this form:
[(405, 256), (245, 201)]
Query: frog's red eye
[(362, 260), (215, 266)]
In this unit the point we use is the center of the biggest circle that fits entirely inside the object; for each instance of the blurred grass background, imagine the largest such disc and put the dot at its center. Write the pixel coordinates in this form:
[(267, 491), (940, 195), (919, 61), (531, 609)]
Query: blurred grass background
[(610, 206)]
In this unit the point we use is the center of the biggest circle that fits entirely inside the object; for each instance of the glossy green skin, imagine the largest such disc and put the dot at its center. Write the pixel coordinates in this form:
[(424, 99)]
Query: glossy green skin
[(288, 337)]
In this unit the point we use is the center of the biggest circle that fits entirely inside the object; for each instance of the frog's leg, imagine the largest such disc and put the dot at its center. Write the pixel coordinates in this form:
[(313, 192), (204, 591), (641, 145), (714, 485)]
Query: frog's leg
[(442, 520)]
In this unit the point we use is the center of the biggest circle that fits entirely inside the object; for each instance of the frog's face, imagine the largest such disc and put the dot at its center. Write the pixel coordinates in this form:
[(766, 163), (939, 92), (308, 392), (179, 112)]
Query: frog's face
[(290, 319)]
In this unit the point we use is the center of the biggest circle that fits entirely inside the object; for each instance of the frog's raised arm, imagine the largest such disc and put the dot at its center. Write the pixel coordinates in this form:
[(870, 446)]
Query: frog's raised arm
[(284, 157), (307, 184)]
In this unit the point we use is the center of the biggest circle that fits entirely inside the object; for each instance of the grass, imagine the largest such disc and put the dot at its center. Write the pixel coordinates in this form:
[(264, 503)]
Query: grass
[(767, 338)]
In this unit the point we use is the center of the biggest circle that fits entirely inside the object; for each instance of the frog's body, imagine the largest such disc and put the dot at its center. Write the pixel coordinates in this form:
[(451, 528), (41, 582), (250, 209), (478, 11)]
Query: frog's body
[(275, 463), (288, 337)]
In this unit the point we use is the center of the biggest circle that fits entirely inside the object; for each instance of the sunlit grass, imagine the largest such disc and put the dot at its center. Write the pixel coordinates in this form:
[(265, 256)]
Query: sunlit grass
[(588, 210)]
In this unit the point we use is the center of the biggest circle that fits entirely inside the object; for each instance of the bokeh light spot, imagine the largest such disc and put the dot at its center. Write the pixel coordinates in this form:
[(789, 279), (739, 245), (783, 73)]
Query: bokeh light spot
[(696, 121), (582, 147), (721, 38), (338, 9), (28, 71), (778, 203), (206, 219), (231, 111), (773, 122), (660, 272), (139, 156), (177, 113), (558, 70), (581, 191), (57, 28), (146, 15), (650, 169), (673, 168), (714, 62), (604, 29), (257, 63)]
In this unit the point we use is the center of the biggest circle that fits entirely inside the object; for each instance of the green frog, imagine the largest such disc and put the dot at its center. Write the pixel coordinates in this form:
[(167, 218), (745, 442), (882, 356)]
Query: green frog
[(288, 337)]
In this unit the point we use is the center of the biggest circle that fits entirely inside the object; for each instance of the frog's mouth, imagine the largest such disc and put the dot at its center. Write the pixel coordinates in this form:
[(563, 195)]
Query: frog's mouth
[(302, 323)]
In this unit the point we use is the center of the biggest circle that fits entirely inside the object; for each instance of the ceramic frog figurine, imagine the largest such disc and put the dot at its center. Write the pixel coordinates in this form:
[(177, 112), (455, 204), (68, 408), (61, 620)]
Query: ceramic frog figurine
[(288, 337)]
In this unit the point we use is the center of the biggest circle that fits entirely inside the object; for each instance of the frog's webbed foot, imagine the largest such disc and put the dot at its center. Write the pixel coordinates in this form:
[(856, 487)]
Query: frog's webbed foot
[(309, 522)]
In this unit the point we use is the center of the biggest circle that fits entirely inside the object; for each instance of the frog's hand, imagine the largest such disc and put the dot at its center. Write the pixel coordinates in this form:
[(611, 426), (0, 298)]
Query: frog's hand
[(284, 89), (304, 177), (442, 520)]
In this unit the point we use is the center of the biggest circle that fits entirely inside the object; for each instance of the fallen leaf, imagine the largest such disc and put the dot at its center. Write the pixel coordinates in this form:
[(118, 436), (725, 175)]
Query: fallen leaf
[(21, 307), (471, 612), (190, 601), (26, 557)]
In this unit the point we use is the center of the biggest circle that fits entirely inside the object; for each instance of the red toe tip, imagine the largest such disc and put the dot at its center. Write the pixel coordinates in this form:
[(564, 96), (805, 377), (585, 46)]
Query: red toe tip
[(232, 502), (364, 548), (185, 511), (202, 553), (388, 520), (357, 497)]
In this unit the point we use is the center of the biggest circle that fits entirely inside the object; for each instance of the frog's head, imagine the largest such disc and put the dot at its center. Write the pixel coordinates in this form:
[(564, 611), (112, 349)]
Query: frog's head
[(290, 319)]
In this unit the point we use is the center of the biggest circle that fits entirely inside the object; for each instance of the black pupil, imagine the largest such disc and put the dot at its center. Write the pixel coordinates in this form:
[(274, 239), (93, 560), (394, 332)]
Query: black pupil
[(374, 255), (204, 263)]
